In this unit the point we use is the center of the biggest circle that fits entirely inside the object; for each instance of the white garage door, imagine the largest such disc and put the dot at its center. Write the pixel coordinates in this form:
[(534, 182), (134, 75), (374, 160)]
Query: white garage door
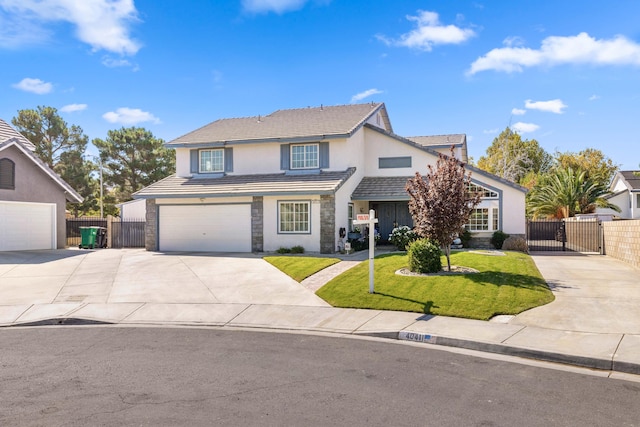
[(27, 226), (205, 228)]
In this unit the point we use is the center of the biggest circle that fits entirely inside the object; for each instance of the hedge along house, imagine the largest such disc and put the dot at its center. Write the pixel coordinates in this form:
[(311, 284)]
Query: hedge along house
[(299, 177), (32, 197)]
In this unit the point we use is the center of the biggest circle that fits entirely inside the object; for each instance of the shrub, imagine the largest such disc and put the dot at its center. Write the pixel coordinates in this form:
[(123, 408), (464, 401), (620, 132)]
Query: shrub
[(498, 239), (466, 237), (515, 243), (297, 250), (402, 236), (424, 256), (282, 250)]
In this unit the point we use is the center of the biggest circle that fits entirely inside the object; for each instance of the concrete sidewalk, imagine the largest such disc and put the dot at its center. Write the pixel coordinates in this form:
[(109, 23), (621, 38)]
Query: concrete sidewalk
[(592, 322)]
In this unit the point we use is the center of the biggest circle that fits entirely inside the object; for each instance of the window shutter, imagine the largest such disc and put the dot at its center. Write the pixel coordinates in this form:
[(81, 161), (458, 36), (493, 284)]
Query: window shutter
[(194, 161), (284, 157), (228, 159), (324, 155), (7, 174)]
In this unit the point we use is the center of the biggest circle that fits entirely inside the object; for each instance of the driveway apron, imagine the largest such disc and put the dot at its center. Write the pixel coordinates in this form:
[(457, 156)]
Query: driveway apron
[(594, 293)]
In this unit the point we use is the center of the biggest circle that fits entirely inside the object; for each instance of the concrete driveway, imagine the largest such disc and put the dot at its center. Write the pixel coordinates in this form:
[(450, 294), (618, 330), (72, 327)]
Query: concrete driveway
[(594, 293), (109, 276)]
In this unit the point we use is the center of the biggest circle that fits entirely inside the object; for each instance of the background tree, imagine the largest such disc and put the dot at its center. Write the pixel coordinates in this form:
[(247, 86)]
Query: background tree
[(61, 147), (132, 159), (567, 192), (517, 160), (441, 202), (598, 167)]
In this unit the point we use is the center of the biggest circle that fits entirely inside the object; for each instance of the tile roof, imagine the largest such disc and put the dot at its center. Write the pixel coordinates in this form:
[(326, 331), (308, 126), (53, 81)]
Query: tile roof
[(381, 188), (246, 185), (283, 125), (632, 180), (7, 132), (439, 140)]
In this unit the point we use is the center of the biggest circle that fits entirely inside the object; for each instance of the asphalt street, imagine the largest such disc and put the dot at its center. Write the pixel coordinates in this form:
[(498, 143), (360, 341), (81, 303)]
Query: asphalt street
[(79, 376)]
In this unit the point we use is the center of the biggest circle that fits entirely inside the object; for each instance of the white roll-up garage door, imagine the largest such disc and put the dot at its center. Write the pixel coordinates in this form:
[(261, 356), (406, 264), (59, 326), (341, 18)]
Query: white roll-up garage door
[(27, 226), (205, 228)]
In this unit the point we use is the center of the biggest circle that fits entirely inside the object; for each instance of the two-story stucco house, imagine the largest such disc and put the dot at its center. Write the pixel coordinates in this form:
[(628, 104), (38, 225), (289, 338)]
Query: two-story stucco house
[(32, 197), (297, 177), (625, 193)]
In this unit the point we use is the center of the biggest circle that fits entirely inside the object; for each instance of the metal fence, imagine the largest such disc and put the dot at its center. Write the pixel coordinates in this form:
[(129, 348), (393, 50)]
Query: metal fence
[(124, 234), (566, 235)]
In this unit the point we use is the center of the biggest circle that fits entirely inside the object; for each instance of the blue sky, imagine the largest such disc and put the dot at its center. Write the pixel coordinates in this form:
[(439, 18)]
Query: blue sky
[(566, 73)]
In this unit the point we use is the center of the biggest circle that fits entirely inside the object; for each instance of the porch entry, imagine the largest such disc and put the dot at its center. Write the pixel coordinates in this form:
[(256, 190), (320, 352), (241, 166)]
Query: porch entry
[(390, 215), (568, 236)]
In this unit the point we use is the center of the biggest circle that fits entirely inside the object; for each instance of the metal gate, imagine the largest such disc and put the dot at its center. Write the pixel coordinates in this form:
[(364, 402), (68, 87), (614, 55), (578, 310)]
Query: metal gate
[(568, 235)]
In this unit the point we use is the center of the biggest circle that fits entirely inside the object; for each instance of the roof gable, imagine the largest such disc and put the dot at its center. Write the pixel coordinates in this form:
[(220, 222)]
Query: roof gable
[(286, 126), (70, 194), (630, 179)]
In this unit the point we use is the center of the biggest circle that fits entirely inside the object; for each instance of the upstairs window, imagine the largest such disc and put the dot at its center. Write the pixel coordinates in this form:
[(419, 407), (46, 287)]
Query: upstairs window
[(304, 156), (7, 174), (486, 194), (211, 161)]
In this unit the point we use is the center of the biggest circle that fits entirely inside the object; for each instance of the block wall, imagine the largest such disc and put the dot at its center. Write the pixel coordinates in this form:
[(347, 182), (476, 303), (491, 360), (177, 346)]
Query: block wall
[(622, 240)]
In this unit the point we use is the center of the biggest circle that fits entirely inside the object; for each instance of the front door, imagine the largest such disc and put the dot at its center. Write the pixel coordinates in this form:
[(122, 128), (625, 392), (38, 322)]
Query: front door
[(390, 215)]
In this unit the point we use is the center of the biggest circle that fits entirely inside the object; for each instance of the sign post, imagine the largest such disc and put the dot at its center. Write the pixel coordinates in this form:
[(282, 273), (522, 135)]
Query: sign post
[(370, 220)]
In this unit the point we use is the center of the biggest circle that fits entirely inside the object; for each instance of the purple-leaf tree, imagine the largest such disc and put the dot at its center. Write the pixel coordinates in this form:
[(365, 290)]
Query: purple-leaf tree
[(442, 201)]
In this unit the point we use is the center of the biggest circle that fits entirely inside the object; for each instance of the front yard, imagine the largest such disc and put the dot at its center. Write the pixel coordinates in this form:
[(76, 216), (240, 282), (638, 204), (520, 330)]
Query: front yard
[(508, 284)]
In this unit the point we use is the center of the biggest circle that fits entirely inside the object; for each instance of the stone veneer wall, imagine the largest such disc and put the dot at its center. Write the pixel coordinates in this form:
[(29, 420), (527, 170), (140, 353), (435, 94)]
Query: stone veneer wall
[(151, 226), (257, 224), (622, 240), (327, 224)]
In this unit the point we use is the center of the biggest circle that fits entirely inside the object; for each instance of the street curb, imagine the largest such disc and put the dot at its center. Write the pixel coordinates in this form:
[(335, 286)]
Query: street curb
[(523, 352), (528, 353)]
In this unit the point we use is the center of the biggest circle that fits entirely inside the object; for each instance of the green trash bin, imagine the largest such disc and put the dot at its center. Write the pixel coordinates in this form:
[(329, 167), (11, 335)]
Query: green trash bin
[(88, 235)]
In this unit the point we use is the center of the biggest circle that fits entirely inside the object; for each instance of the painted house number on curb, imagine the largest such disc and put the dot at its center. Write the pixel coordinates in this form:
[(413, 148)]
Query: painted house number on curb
[(412, 336)]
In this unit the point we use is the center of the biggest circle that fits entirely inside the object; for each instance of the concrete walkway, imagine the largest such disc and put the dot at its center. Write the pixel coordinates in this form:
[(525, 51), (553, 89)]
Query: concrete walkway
[(592, 323)]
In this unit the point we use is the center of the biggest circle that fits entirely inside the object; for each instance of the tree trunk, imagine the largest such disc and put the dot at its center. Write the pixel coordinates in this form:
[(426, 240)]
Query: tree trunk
[(447, 253)]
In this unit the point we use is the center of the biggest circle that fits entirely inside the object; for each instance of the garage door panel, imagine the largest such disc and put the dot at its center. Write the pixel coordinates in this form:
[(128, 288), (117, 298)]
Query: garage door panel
[(27, 226), (205, 228)]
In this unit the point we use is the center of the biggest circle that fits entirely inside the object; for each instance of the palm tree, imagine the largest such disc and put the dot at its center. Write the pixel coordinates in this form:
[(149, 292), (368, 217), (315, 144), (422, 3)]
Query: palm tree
[(567, 192)]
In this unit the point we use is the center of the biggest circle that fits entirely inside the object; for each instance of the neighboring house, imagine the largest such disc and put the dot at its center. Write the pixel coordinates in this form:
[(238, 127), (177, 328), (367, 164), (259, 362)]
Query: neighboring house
[(32, 197), (297, 177), (625, 193), (133, 210)]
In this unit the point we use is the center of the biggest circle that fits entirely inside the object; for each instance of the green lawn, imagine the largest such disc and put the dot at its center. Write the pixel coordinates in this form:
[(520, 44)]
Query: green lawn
[(507, 284), (300, 267)]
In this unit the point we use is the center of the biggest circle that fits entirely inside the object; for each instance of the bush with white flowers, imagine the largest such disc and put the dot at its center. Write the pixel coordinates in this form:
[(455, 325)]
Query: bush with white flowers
[(401, 236)]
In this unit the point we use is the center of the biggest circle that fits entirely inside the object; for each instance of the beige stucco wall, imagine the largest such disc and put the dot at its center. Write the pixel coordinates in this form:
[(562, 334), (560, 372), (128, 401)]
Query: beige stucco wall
[(272, 240), (32, 184), (622, 240)]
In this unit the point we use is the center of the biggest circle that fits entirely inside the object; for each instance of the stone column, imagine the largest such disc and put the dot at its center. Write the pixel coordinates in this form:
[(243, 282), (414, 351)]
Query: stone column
[(257, 224), (328, 224), (151, 226)]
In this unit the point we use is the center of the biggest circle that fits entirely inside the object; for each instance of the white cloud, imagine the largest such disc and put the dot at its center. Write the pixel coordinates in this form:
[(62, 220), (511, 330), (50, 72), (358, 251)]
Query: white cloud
[(110, 62), (277, 6), (362, 95), (103, 24), (521, 127), (552, 106), (71, 108), (490, 131), (34, 86), (429, 32), (580, 49), (518, 112), (130, 116), (594, 97)]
